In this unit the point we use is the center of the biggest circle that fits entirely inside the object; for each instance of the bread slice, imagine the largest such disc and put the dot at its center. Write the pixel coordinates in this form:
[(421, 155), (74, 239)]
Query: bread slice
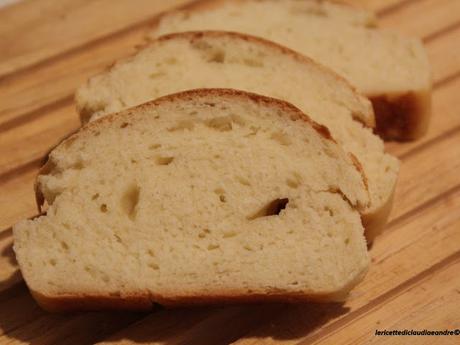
[(205, 196), (392, 70), (218, 59)]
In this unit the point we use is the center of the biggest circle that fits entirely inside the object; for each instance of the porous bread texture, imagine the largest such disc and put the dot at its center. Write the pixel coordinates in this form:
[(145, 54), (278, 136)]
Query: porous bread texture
[(220, 59), (207, 196), (392, 70)]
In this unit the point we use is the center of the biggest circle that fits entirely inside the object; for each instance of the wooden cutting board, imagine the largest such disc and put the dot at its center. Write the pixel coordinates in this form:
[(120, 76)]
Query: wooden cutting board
[(47, 48)]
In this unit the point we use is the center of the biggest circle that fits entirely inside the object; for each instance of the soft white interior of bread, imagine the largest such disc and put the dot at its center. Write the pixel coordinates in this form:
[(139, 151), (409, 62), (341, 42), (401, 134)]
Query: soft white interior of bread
[(188, 61), (208, 193), (376, 61)]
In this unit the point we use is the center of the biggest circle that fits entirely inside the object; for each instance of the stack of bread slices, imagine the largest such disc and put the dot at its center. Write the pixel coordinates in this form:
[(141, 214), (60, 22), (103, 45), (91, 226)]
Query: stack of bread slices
[(232, 159)]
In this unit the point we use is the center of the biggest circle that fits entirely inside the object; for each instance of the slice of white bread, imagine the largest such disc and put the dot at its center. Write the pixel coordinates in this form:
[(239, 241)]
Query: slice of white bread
[(218, 59), (205, 196), (392, 70)]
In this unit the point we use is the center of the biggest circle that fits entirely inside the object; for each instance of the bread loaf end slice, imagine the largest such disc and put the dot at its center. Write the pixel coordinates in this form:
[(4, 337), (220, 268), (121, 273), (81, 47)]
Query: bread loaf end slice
[(206, 196), (392, 70)]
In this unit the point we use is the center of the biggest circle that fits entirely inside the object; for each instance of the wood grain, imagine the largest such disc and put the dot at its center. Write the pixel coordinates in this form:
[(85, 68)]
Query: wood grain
[(430, 303), (430, 235), (82, 21), (440, 11), (413, 260)]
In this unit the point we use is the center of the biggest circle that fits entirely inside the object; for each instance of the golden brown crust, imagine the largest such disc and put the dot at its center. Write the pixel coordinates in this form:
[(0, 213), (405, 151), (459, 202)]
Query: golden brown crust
[(402, 116), (147, 301), (366, 119), (287, 108)]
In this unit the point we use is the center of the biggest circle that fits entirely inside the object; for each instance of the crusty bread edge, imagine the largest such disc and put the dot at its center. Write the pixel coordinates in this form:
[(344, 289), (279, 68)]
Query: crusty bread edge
[(403, 116), (367, 120), (374, 223), (139, 302), (146, 301)]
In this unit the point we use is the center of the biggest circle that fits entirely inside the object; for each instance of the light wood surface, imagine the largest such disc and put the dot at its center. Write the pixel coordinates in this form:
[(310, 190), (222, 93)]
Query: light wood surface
[(49, 47)]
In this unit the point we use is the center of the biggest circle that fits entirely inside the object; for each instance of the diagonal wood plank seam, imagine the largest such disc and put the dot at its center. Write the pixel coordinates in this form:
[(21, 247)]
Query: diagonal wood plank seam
[(21, 169), (443, 136), (406, 217), (383, 298), (385, 11), (143, 25), (443, 31), (37, 113), (447, 80)]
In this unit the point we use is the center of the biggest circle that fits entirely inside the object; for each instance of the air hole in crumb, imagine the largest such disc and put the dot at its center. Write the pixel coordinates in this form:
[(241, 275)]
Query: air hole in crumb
[(329, 210), (217, 56), (248, 247), (182, 125), (294, 181), (124, 125), (64, 245), (154, 146), (204, 233), (154, 75), (213, 246), (154, 266), (118, 238), (238, 120), (163, 160), (229, 234), (95, 196), (244, 181), (103, 208), (171, 60), (150, 252), (253, 62), (78, 165), (130, 200), (291, 183), (281, 138), (347, 241), (273, 208), (53, 262), (221, 193), (222, 123)]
